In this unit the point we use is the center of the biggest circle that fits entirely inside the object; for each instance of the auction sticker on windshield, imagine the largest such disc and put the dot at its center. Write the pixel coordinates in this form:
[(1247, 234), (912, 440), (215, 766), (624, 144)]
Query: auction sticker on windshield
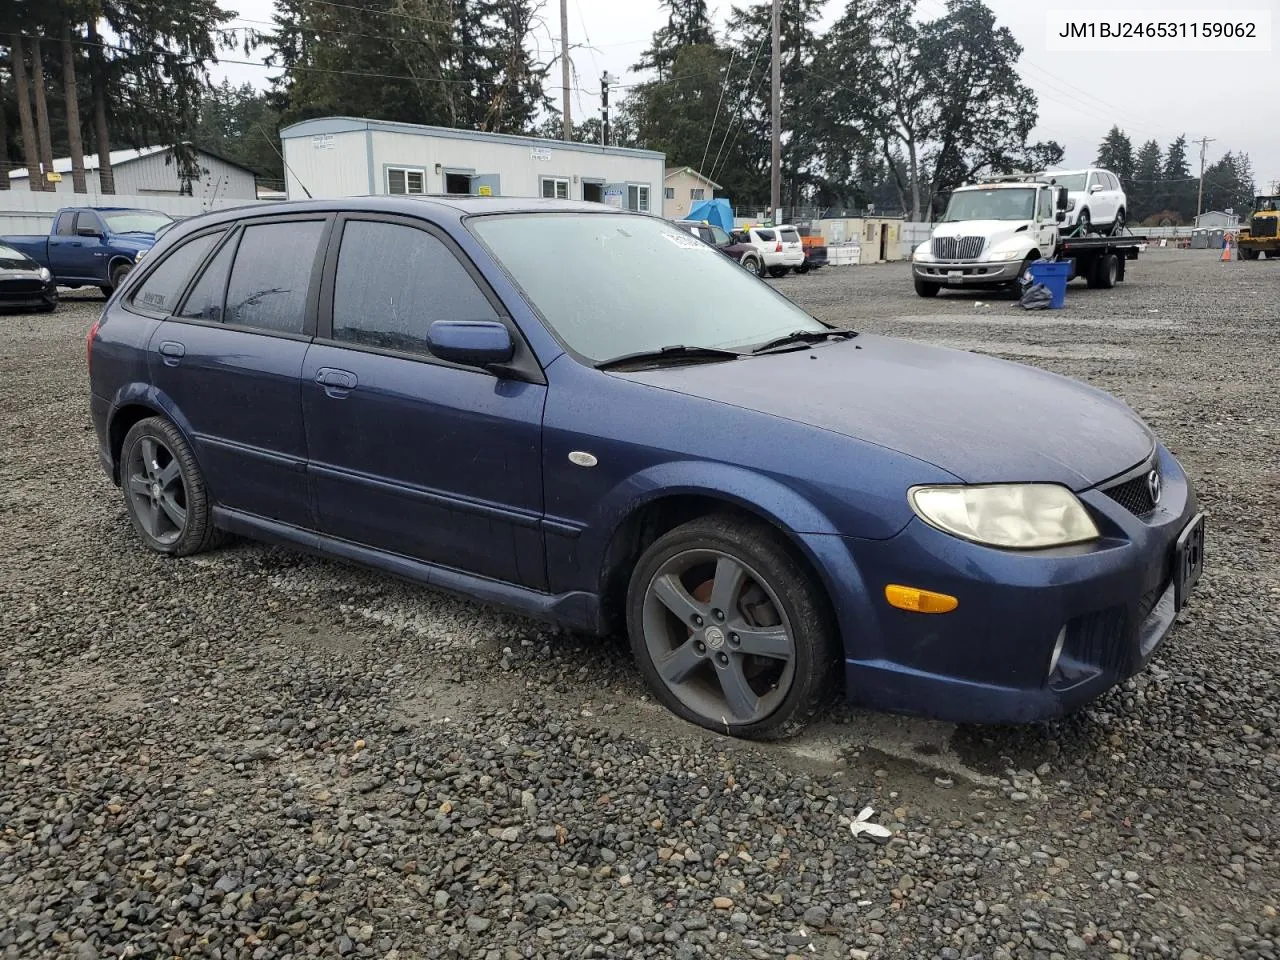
[(686, 242)]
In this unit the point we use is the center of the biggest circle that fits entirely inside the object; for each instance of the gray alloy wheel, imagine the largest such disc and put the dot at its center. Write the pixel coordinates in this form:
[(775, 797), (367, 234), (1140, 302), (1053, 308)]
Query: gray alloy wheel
[(729, 631), (1117, 226), (164, 491), (1084, 224)]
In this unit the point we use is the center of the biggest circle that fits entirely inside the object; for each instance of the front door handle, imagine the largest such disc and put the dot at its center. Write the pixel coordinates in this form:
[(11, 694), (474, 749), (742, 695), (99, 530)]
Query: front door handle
[(336, 383), (172, 351)]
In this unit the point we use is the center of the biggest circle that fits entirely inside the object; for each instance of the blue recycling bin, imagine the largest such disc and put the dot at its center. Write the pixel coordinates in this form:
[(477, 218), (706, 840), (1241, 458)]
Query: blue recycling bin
[(1054, 274)]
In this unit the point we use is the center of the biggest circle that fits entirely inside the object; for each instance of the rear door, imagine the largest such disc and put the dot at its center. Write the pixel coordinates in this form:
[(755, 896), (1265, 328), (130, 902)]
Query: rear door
[(409, 454), (229, 358)]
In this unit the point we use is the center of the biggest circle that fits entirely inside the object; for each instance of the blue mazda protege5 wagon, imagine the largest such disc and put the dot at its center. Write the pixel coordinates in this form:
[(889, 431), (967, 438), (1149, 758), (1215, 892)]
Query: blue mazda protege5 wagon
[(590, 416)]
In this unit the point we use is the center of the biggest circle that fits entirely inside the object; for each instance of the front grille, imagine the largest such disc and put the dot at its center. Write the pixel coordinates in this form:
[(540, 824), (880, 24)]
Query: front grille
[(957, 248), (1261, 227), (21, 287), (1133, 494)]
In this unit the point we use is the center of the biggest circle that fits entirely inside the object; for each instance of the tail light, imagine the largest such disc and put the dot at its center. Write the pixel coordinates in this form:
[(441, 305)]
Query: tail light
[(778, 248), (88, 343)]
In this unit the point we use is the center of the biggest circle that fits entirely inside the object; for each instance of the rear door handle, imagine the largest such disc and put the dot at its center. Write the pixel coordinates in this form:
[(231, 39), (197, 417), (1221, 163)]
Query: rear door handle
[(172, 351), (336, 382)]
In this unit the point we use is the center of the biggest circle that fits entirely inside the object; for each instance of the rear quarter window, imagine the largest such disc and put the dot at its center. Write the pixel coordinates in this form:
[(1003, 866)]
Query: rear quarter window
[(789, 236), (159, 292), (765, 235)]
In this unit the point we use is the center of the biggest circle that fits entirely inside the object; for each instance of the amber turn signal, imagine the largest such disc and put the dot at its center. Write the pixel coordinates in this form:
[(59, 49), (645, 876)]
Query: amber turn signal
[(919, 601)]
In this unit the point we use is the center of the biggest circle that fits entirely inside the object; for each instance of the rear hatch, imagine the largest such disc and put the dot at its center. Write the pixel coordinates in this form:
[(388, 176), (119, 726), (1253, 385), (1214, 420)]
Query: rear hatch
[(789, 237)]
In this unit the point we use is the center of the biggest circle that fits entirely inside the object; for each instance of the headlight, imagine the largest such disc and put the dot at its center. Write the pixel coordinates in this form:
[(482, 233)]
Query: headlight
[(922, 252), (137, 257), (1020, 516), (1017, 253), (45, 275), (1071, 203)]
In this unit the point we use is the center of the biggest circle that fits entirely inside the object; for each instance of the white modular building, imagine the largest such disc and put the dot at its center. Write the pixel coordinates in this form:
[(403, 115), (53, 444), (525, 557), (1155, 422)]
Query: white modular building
[(348, 156)]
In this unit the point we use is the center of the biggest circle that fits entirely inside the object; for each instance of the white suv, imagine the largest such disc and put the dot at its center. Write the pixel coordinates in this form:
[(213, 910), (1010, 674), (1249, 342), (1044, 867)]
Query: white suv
[(777, 250), (1095, 200)]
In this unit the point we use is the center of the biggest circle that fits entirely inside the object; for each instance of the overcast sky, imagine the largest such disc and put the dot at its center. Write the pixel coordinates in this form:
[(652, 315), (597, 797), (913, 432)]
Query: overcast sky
[(1231, 97)]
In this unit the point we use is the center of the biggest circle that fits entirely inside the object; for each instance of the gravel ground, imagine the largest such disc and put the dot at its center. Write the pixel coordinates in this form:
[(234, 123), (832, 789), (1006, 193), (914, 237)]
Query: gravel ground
[(254, 754)]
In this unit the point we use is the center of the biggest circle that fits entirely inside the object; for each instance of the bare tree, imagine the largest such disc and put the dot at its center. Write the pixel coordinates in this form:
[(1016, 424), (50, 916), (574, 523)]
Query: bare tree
[(42, 112), (25, 121), (4, 135), (106, 176), (72, 98)]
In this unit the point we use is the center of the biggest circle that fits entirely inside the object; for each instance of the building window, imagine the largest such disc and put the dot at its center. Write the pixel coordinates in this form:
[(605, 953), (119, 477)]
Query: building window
[(402, 180), (555, 188), (697, 193), (638, 197), (668, 193)]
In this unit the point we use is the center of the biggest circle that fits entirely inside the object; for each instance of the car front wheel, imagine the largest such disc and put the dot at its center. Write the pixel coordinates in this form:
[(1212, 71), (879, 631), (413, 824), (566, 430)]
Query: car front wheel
[(164, 490), (730, 631)]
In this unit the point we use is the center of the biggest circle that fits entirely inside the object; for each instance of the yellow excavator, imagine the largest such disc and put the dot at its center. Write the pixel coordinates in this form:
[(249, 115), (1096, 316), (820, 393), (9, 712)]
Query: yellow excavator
[(1261, 236)]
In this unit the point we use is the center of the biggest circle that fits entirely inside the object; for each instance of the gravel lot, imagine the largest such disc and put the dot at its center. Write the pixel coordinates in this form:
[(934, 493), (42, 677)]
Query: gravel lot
[(254, 754)]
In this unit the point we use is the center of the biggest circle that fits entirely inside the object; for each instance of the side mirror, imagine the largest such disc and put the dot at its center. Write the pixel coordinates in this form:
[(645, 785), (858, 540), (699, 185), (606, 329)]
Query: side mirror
[(89, 232), (475, 343), (1061, 216), (1096, 188), (1062, 198)]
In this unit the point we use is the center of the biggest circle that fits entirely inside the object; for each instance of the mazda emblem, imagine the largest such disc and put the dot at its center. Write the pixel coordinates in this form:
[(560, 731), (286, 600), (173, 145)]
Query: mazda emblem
[(1153, 486)]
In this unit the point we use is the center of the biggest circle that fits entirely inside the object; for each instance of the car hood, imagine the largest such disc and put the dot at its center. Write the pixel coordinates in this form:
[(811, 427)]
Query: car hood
[(18, 266), (981, 419), (133, 241), (995, 231)]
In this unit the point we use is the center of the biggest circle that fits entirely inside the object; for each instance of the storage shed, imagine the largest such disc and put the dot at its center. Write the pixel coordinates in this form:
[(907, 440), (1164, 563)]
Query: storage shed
[(348, 156)]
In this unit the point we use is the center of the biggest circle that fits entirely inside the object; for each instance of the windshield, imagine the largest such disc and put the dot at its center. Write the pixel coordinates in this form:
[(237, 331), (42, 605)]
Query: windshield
[(1266, 204), (609, 285), (1003, 204), (1074, 182), (136, 221)]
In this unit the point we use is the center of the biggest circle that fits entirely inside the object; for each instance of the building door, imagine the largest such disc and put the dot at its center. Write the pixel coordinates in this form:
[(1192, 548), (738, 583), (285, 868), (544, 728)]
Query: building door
[(457, 183), (593, 191), (884, 241), (486, 185)]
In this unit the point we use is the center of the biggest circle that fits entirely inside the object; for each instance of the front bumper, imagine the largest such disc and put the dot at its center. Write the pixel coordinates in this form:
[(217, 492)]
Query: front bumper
[(27, 293), (963, 274), (988, 660)]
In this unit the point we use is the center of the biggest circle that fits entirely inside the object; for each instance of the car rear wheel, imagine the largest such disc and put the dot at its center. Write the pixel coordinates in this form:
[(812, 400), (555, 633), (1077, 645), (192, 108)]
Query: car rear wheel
[(730, 631), (164, 490), (754, 264), (779, 271), (1117, 225)]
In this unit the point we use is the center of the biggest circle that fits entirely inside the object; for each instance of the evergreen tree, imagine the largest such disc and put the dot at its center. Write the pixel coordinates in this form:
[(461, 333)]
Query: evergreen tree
[(1178, 193), (1144, 191), (1115, 153), (688, 24), (1228, 184)]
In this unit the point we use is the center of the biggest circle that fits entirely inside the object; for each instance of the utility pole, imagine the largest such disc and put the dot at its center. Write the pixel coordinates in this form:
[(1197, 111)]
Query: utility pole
[(564, 68), (605, 79), (1204, 144), (775, 187)]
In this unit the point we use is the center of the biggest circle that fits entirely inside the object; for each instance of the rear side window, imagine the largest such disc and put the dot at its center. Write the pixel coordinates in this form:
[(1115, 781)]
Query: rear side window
[(272, 275), (205, 300), (160, 291), (393, 282), (66, 226), (765, 235)]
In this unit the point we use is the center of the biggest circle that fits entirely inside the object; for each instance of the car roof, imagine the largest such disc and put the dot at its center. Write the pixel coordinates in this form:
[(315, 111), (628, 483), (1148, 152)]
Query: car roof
[(1058, 173)]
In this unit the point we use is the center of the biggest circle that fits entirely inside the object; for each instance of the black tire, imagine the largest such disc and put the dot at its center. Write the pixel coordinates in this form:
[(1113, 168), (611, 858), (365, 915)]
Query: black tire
[(118, 273), (1117, 225), (156, 463), (779, 271), (1106, 270), (1084, 224), (1022, 272), (106, 290), (803, 268), (1247, 253), (926, 288), (775, 694), (754, 264)]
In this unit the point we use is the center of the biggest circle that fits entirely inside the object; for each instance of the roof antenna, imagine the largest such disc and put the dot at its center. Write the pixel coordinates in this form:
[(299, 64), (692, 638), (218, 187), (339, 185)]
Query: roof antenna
[(284, 162)]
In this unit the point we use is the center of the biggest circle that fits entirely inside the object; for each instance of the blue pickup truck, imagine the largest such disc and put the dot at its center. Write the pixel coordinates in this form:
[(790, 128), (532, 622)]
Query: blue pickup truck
[(93, 246)]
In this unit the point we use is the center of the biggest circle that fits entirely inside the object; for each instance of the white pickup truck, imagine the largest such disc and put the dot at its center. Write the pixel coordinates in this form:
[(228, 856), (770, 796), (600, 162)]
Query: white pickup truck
[(993, 231)]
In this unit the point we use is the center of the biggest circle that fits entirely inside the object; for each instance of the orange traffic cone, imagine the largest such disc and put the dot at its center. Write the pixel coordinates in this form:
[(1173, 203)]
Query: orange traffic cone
[(1226, 253)]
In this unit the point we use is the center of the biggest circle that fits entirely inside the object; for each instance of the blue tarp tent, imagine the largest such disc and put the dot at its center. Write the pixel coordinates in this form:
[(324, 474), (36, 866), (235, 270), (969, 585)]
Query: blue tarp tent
[(713, 211)]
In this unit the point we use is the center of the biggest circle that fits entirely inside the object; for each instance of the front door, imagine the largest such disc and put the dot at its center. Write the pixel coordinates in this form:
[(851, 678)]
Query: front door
[(408, 454), (228, 359)]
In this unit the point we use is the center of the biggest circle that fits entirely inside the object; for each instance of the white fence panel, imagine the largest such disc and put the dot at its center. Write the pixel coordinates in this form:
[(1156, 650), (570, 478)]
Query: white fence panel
[(913, 234), (24, 211)]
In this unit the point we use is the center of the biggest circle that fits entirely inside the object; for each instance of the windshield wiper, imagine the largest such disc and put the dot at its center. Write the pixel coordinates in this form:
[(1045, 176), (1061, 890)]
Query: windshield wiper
[(803, 338), (677, 352)]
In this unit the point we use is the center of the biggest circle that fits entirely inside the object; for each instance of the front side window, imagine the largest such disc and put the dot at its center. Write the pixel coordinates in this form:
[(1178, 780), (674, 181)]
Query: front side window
[(555, 188), (406, 180), (162, 287), (613, 307), (718, 236), (89, 221), (272, 275), (393, 282), (1045, 209)]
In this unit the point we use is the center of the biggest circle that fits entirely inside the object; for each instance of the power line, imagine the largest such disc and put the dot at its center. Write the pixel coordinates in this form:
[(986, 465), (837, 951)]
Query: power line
[(719, 100)]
